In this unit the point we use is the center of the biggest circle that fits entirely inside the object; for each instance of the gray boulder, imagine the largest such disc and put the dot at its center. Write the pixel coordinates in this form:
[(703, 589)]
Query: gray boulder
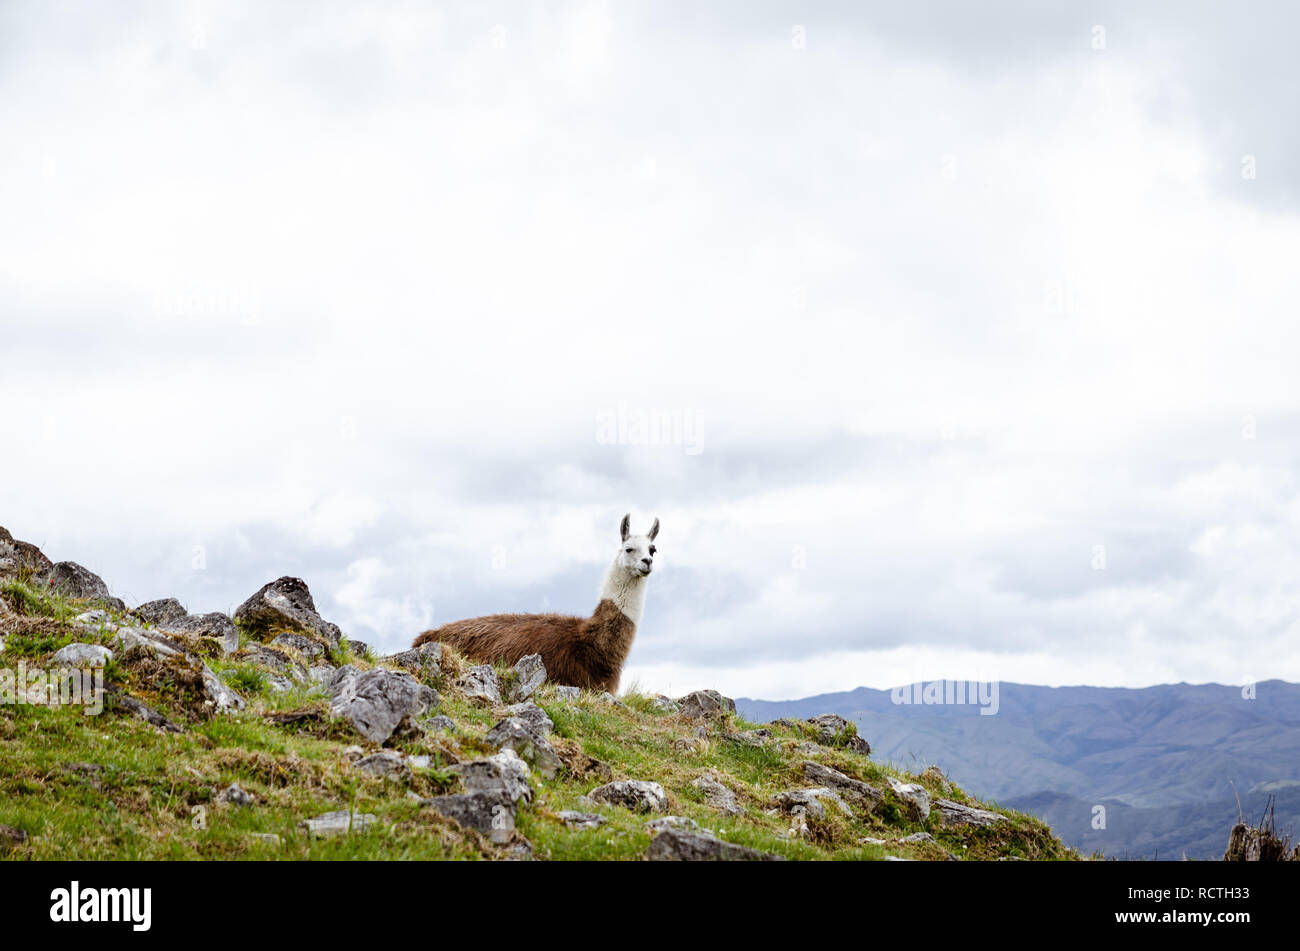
[(19, 559), (534, 716), (439, 724), (146, 713), (340, 822), (959, 814), (214, 624), (306, 646), (73, 581), (635, 794), (425, 659), (516, 734), (386, 765), (580, 820), (810, 802), (285, 606), (705, 704), (491, 812), (676, 845), (834, 730), (915, 795), (220, 695), (235, 795), (752, 737), (378, 701), (854, 789), (567, 692), (529, 674), (82, 655), (717, 795), (504, 772), (162, 611), (680, 823), (481, 683)]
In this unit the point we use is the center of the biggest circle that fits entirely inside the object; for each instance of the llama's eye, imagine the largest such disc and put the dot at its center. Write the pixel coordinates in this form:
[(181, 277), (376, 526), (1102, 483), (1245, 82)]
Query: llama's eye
[(628, 550), (652, 549)]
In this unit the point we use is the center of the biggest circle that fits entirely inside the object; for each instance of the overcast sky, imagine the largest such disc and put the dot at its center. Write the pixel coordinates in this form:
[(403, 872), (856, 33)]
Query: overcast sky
[(972, 328)]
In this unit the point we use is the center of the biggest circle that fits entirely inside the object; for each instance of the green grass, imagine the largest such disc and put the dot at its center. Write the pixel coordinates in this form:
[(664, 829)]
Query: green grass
[(112, 787)]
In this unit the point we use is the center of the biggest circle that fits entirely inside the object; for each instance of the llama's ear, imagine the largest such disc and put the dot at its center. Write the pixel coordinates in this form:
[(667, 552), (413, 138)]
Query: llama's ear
[(654, 530), (625, 527)]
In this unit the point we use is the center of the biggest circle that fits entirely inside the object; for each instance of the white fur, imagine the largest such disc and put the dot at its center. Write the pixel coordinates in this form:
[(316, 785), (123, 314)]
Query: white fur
[(626, 576)]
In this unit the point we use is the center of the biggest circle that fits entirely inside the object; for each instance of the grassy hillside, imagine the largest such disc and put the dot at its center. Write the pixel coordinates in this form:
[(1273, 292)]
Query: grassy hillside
[(112, 786)]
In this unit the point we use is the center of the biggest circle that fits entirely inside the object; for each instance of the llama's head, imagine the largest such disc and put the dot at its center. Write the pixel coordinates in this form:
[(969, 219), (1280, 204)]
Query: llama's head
[(637, 554)]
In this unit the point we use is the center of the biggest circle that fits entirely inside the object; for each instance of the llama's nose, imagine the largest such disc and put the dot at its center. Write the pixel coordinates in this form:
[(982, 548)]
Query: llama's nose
[(646, 562)]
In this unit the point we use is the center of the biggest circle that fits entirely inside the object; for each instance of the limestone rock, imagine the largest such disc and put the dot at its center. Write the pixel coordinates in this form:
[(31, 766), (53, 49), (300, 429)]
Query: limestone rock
[(235, 795), (706, 703), (529, 674), (73, 581), (580, 820), (935, 775), (340, 822), (162, 611), (222, 697), (534, 716), (308, 647), (378, 701), (854, 789), (959, 814), (635, 794), (387, 765), (717, 795), (504, 772), (810, 801), (752, 737), (425, 659), (680, 823), (481, 683), (675, 845), (515, 734), (439, 724), (567, 692), (491, 812), (146, 713), (915, 795), (285, 605), (82, 655)]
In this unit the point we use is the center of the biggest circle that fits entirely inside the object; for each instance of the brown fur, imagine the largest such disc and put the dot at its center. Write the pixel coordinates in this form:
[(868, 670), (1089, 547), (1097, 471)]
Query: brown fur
[(581, 651)]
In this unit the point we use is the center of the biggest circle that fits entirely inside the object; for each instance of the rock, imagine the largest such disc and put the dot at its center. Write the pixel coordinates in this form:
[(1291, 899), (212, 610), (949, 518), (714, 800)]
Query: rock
[(515, 734), (871, 840), (439, 724), (810, 801), (387, 765), (425, 659), (917, 838), (833, 730), (159, 612), (491, 812), (854, 789), (127, 636), (378, 701), (959, 814), (706, 703), (419, 761), (73, 581), (534, 716), (145, 713), (717, 795), (567, 692), (752, 737), (529, 674), (915, 795), (674, 845), (481, 683), (340, 822), (680, 823), (235, 795), (11, 837), (359, 649), (635, 794), (580, 820), (285, 606), (936, 776), (222, 697), (606, 697), (664, 704), (82, 655), (504, 772), (306, 646), (321, 674), (274, 660)]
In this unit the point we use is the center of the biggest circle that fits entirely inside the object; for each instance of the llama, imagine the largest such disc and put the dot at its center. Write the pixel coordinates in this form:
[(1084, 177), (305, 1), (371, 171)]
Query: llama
[(583, 652)]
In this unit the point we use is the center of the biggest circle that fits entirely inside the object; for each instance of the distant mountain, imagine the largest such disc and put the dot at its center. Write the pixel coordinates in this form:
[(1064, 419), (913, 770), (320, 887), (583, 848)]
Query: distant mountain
[(1168, 763)]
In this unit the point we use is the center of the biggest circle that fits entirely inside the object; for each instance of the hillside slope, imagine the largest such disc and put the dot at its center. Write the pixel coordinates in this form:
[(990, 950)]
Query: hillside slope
[(1168, 762), (268, 735)]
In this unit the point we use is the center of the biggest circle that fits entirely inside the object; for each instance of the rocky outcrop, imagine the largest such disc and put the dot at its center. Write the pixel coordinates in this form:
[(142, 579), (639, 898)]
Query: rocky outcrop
[(717, 795), (82, 655), (635, 794), (481, 683), (73, 581), (377, 702), (960, 814), (517, 734), (162, 611), (707, 704), (526, 676), (285, 606), (810, 802), (914, 795), (214, 625), (675, 845), (425, 660), (853, 789), (340, 822)]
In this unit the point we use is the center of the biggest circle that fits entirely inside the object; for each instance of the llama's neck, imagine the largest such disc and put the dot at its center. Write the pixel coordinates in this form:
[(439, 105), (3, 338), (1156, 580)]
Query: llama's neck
[(626, 590)]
